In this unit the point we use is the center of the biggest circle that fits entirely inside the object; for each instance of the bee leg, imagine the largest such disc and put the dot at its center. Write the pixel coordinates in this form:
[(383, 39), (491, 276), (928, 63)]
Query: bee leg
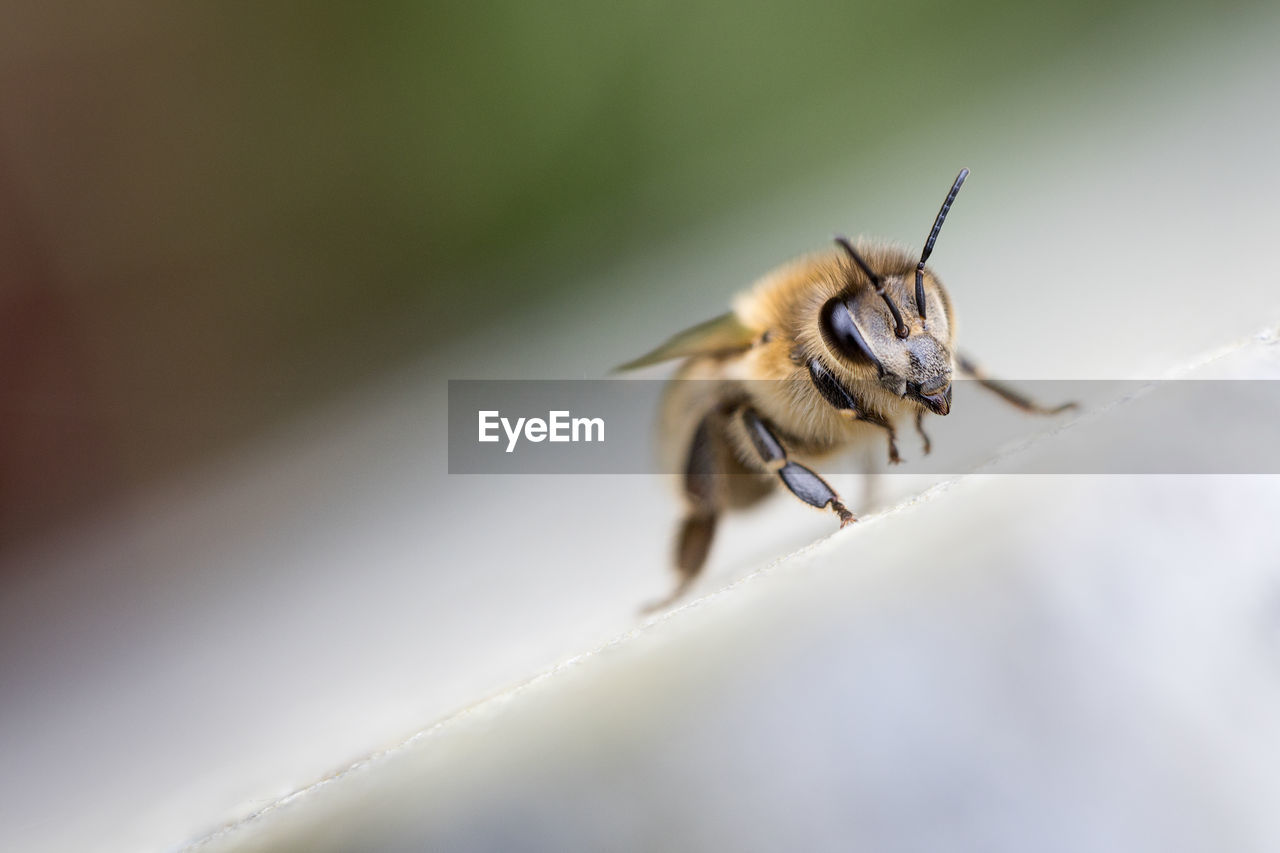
[(844, 401), (692, 545), (799, 480), (872, 418), (871, 480), (924, 436), (694, 542), (1010, 396), (703, 490)]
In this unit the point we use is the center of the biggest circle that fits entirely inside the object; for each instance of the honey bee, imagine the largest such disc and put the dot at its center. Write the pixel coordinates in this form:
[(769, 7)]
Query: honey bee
[(825, 353)]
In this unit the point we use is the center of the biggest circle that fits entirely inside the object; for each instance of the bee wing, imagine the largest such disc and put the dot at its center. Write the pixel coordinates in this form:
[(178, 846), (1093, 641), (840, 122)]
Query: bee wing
[(724, 334)]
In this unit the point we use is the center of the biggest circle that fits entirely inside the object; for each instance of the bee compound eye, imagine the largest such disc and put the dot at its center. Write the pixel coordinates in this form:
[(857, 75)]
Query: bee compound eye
[(843, 334)]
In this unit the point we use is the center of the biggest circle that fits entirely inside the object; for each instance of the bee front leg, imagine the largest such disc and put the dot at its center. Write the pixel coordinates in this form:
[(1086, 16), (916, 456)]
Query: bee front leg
[(967, 366), (799, 480), (924, 436), (872, 418), (844, 401), (871, 473)]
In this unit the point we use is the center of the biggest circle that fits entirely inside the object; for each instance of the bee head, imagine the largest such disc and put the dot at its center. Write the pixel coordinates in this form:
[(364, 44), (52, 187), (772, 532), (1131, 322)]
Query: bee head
[(877, 325), (858, 328)]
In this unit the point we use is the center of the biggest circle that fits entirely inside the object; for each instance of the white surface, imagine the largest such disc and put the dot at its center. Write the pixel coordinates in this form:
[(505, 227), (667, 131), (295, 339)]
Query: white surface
[(1052, 681), (186, 660)]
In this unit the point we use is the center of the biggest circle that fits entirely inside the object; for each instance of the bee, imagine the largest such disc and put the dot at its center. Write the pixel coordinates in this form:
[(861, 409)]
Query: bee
[(824, 354)]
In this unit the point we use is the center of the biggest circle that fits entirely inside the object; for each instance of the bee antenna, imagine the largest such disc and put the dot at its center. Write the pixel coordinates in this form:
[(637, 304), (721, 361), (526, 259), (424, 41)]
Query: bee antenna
[(899, 328), (933, 237)]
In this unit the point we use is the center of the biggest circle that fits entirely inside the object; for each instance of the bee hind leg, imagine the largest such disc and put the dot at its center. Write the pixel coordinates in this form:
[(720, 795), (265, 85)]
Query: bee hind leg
[(704, 491), (692, 545), (694, 542)]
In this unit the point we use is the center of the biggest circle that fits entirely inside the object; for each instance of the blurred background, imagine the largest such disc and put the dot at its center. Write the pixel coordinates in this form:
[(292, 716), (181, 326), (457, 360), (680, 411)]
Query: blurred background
[(217, 219), (242, 249)]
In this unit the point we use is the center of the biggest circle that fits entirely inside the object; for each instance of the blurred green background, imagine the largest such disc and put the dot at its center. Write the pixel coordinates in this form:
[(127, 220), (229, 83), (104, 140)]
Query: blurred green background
[(218, 216)]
